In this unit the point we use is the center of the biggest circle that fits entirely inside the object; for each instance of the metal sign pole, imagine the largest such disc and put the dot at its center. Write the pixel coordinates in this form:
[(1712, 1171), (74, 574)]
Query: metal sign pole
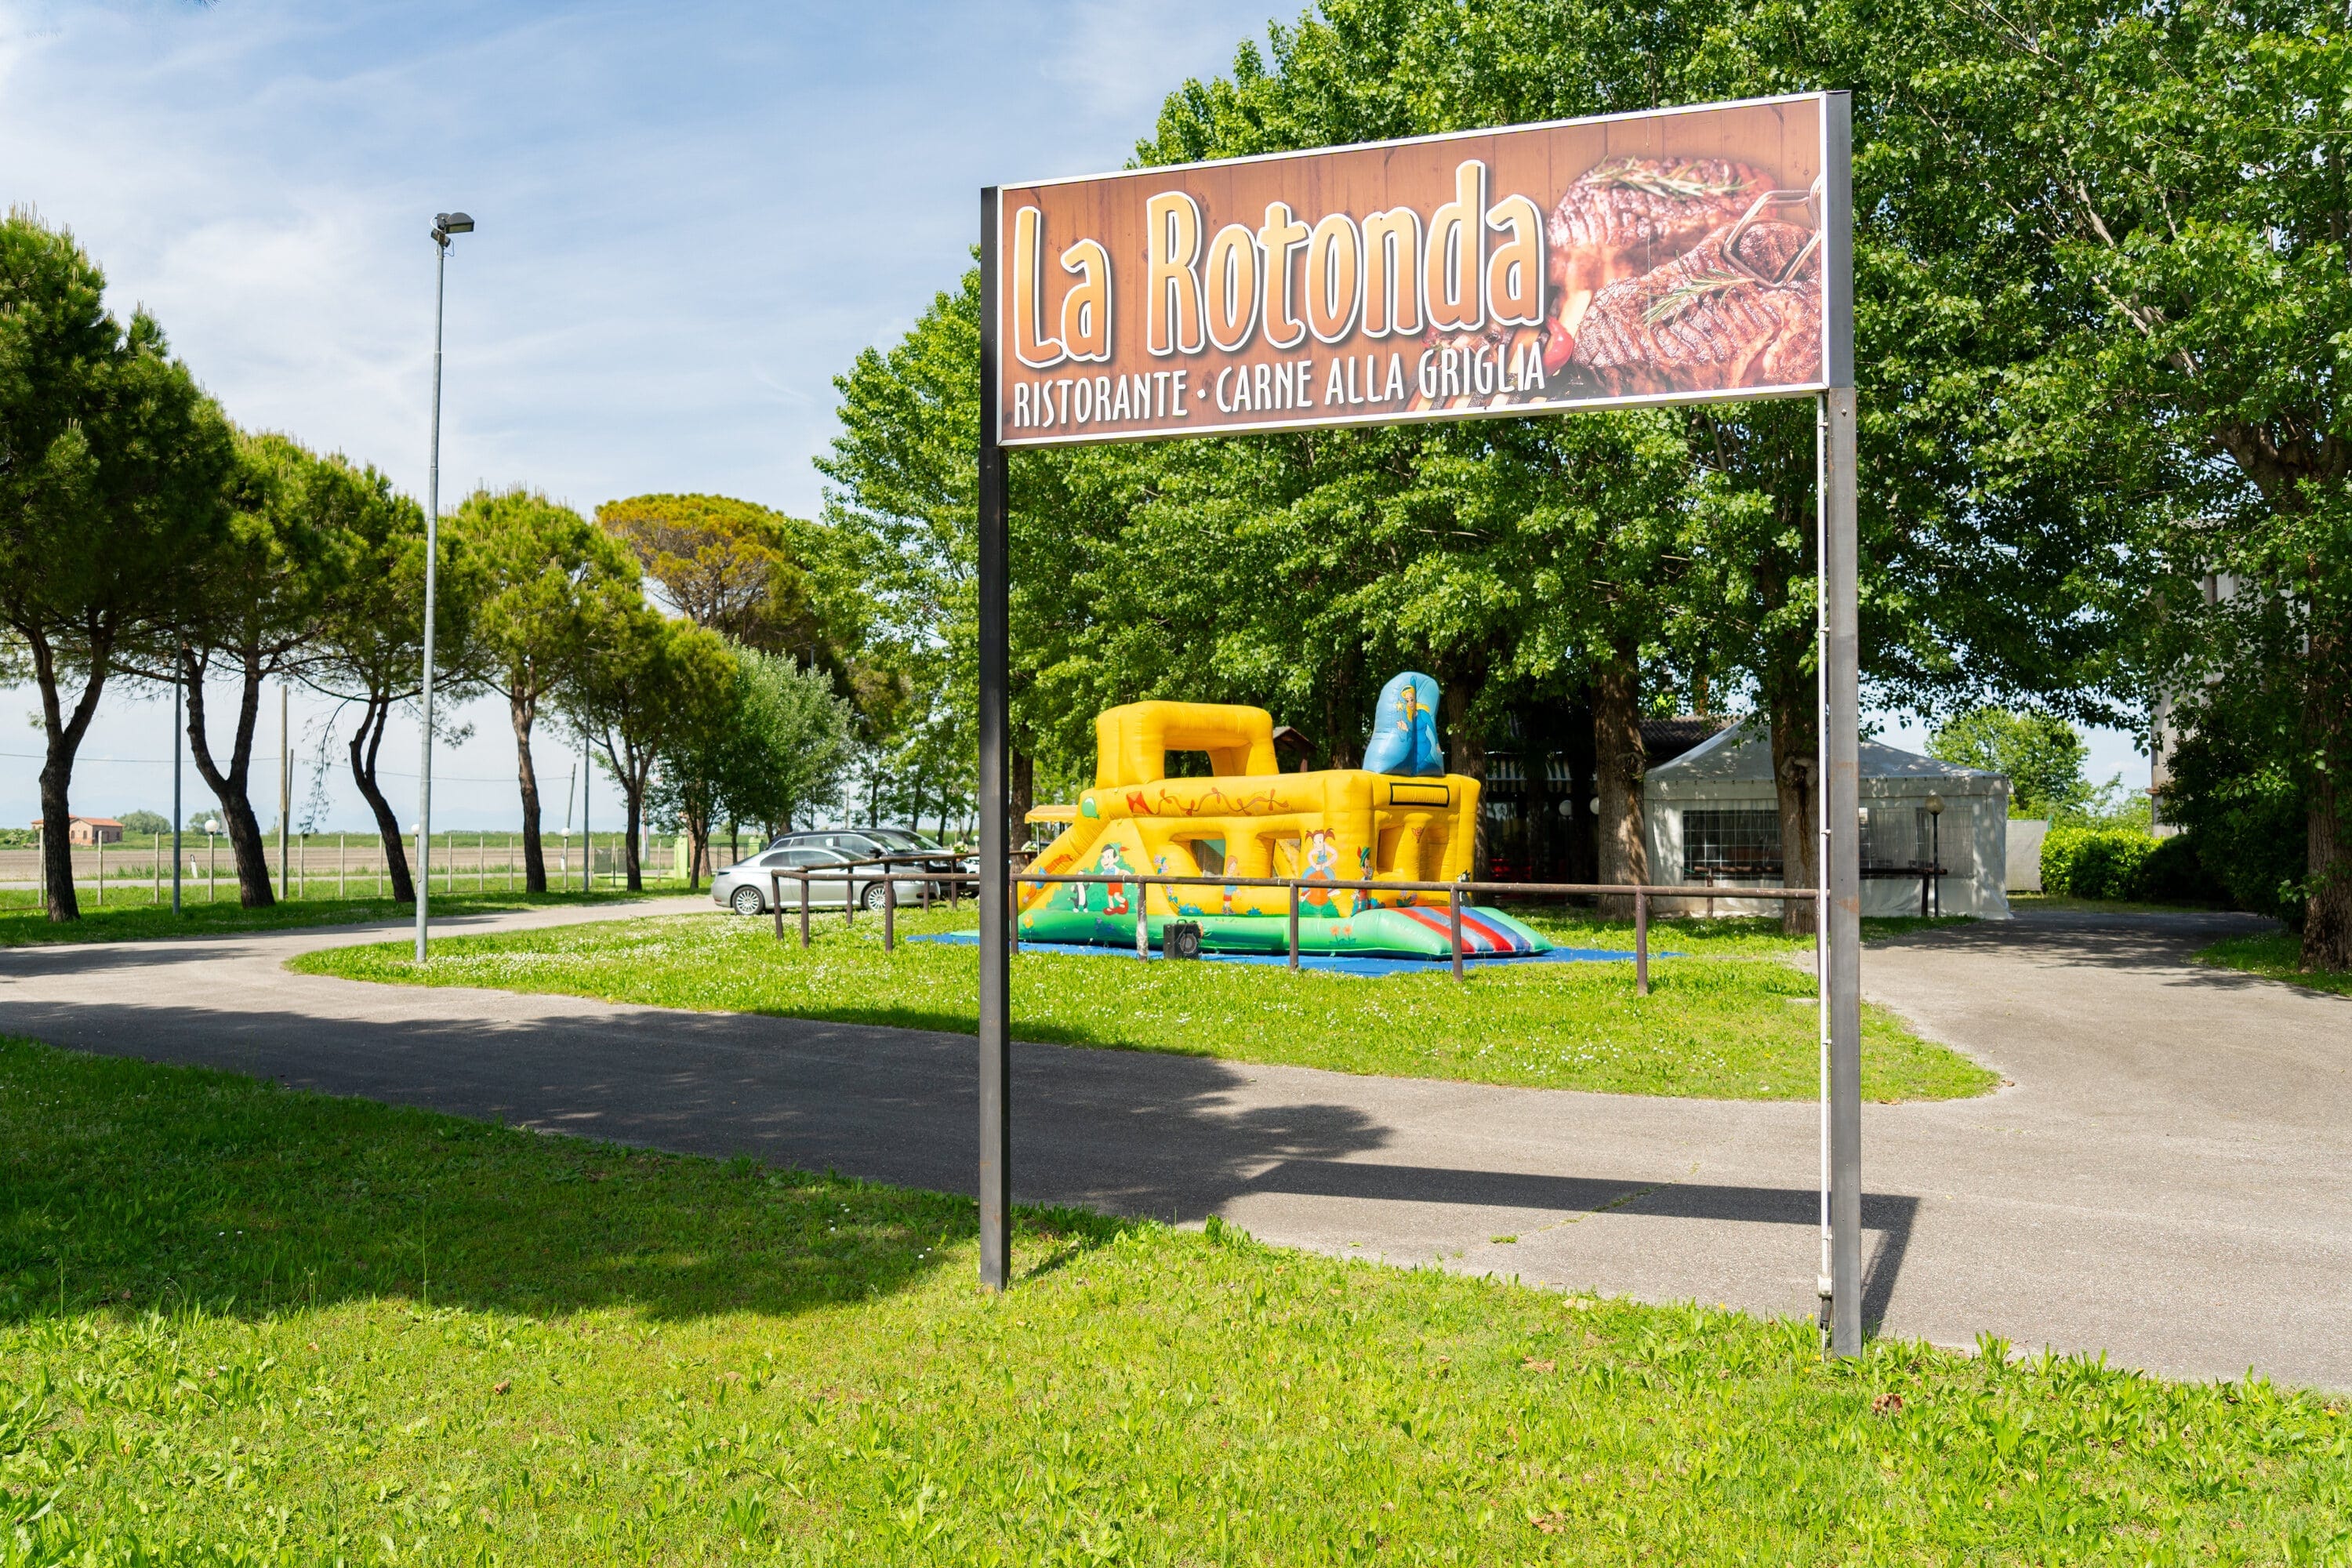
[(1841, 764), (995, 913)]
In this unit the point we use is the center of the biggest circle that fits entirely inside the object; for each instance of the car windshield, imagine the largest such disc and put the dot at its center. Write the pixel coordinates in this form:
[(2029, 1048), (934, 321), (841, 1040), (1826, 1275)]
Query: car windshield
[(900, 838)]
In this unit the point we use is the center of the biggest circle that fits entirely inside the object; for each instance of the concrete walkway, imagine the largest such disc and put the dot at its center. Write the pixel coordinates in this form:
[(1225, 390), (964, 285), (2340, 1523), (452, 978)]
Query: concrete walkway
[(2167, 1178)]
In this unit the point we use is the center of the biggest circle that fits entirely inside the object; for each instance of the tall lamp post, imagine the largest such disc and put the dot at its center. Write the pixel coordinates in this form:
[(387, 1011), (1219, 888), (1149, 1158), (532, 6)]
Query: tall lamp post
[(1935, 848), (444, 225), (179, 677)]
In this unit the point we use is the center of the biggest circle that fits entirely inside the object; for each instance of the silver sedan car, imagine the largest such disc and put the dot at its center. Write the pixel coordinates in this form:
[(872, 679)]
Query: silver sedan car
[(745, 887)]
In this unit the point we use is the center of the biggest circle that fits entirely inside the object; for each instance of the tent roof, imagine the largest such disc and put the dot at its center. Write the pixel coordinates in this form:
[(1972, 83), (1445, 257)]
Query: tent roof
[(1743, 754)]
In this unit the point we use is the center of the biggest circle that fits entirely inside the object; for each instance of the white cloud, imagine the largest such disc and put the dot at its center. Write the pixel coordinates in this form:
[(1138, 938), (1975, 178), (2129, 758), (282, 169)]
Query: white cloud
[(692, 218)]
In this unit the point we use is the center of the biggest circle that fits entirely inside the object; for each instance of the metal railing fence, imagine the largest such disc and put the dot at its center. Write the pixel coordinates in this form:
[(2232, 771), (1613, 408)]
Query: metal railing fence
[(1141, 882)]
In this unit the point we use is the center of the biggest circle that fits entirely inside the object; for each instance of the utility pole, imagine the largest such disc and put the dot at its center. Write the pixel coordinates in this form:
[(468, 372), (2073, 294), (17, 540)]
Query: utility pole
[(285, 791), (179, 675)]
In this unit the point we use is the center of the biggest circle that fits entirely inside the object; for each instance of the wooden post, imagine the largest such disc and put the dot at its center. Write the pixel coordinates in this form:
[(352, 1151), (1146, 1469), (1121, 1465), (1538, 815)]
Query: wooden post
[(1454, 929), (805, 912), (889, 914), (1293, 926), (155, 868), (98, 898), (1641, 944), (1142, 920)]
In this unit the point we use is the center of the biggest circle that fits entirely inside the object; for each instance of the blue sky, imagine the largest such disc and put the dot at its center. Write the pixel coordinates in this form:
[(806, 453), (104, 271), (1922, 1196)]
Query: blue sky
[(693, 216)]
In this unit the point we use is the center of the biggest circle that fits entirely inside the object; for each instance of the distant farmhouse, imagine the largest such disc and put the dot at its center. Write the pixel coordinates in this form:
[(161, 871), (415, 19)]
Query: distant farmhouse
[(89, 830)]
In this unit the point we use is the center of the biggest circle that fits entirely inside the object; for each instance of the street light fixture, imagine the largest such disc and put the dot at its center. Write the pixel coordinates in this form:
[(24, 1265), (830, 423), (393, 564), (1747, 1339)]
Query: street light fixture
[(444, 225), (1936, 846)]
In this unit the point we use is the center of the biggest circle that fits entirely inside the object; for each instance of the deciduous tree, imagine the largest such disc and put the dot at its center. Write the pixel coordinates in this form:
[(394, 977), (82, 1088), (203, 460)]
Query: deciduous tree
[(544, 575), (643, 684), (371, 647), (113, 472)]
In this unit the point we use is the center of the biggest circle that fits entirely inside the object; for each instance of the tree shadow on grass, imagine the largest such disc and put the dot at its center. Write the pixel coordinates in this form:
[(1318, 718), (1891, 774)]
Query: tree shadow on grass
[(181, 1187)]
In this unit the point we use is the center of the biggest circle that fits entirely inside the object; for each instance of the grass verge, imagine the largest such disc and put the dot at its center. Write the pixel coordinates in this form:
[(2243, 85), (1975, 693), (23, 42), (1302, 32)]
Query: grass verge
[(23, 923), (2067, 903), (2273, 956), (241, 1325), (1728, 1019)]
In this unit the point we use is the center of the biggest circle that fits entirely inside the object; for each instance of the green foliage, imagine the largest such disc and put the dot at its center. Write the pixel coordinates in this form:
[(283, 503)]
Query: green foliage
[(773, 748), (542, 574), (370, 649), (1723, 1020), (2175, 873), (2086, 862), (2275, 955), (146, 822), (240, 1324), (543, 577), (2042, 756), (754, 575), (113, 472), (2167, 234), (643, 685), (315, 903), (2247, 814)]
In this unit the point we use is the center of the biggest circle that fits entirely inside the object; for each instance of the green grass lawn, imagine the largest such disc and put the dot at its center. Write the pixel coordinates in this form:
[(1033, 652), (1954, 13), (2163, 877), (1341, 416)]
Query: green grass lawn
[(1730, 1020), (2273, 956), (24, 923), (2066, 903), (241, 1325)]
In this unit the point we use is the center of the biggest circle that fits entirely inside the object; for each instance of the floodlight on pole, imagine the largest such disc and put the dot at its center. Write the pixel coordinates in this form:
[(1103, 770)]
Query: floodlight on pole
[(444, 225)]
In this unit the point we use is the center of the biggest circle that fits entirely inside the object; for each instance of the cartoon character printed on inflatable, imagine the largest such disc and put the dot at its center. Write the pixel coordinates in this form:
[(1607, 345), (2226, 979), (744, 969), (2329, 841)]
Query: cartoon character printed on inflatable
[(1319, 861), (1404, 729), (1114, 896)]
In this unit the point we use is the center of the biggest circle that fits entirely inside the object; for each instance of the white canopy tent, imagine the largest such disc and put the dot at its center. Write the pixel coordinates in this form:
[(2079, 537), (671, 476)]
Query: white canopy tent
[(1713, 819)]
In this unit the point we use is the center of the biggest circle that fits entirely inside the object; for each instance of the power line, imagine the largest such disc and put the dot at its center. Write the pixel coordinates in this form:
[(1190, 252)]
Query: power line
[(166, 762)]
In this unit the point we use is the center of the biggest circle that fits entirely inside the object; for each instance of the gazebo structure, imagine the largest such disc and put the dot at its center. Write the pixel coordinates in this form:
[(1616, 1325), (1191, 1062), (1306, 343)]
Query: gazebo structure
[(1713, 819)]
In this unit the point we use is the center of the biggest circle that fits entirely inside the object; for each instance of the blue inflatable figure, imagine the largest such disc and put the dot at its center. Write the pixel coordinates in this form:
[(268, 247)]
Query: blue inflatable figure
[(1404, 729)]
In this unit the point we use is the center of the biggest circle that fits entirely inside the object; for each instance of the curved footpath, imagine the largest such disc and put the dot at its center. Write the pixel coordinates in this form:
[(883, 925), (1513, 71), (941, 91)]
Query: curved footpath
[(2168, 1178)]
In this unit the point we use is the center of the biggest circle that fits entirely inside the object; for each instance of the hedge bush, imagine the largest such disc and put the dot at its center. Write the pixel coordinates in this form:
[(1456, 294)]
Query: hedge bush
[(2096, 862)]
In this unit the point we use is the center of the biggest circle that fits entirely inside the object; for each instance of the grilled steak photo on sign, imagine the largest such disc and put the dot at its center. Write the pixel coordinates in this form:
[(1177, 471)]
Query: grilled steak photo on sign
[(1627, 215), (1742, 309)]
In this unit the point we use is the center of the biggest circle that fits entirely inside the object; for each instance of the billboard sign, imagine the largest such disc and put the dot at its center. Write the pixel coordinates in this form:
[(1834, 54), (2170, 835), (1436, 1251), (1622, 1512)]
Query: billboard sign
[(1678, 256)]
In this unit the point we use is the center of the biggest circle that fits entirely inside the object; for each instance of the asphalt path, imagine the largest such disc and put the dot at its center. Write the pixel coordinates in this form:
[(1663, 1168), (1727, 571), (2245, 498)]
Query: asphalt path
[(2163, 1177)]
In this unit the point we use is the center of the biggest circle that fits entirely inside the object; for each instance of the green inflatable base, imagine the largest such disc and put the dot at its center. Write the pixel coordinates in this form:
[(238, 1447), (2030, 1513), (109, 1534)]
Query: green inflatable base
[(1409, 933)]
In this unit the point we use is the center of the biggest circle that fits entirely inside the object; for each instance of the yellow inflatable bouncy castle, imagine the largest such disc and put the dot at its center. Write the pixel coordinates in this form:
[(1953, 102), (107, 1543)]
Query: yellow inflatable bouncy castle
[(1252, 820)]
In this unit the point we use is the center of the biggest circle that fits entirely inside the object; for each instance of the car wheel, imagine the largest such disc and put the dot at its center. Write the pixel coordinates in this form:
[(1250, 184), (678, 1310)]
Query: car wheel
[(871, 899), (746, 901)]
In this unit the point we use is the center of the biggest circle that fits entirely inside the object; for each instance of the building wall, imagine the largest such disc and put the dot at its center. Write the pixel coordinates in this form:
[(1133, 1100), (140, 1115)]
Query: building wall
[(2025, 836), (1973, 837)]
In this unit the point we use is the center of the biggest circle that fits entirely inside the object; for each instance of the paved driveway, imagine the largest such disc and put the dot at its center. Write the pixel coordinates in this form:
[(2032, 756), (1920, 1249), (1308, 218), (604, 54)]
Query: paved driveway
[(2167, 1177)]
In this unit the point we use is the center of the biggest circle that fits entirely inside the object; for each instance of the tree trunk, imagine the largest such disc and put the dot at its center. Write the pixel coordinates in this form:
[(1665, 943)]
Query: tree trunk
[(632, 791), (1342, 725), (1619, 763), (524, 712), (365, 742), (1465, 753), (232, 786), (1795, 741), (697, 844), (62, 739), (1535, 794), (1020, 797), (2328, 910)]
